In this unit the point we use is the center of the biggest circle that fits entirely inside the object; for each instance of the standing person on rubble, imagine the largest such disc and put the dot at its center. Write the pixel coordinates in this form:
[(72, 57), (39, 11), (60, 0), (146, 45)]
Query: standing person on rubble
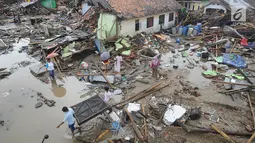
[(69, 118), (107, 94), (154, 66), (118, 61), (50, 69)]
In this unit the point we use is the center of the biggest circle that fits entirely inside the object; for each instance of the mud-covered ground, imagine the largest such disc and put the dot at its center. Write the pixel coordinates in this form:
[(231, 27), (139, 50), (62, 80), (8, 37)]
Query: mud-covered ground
[(23, 122)]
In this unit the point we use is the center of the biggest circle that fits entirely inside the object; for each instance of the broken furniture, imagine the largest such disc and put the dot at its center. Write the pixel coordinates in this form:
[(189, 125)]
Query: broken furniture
[(90, 108)]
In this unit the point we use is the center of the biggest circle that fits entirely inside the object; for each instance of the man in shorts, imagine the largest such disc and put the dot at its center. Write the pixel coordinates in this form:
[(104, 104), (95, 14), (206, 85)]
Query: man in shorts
[(69, 118)]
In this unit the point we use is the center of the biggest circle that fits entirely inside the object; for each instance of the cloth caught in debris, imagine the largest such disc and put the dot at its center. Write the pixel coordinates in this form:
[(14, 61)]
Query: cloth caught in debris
[(133, 107), (105, 56), (234, 60), (126, 53), (185, 54), (219, 59), (210, 73), (173, 113), (236, 76)]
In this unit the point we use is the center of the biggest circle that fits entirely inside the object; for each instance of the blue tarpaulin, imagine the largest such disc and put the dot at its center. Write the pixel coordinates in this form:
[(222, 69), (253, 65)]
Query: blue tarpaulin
[(250, 45), (234, 60)]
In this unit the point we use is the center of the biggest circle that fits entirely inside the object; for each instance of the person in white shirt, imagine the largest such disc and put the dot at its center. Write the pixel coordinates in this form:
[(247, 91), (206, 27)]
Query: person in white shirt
[(50, 68), (119, 59), (107, 94), (69, 118)]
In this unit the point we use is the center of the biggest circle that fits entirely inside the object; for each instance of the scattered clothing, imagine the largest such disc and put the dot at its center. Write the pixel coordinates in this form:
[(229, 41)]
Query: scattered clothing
[(119, 59), (234, 60), (69, 117)]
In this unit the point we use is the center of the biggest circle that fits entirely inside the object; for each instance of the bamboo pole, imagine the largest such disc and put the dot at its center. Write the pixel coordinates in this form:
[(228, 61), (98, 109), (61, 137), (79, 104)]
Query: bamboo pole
[(252, 111), (251, 138), (105, 77), (101, 135), (140, 97), (222, 134), (240, 84), (144, 124), (54, 61)]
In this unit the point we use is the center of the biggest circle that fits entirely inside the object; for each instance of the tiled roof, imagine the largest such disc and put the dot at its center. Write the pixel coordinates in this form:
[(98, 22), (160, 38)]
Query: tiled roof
[(129, 9)]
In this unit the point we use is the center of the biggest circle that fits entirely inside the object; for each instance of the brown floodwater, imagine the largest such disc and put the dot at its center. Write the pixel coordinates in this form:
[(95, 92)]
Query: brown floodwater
[(25, 123)]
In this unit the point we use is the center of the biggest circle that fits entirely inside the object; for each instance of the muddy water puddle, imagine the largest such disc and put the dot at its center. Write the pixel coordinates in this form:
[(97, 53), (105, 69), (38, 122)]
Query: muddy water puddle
[(18, 96), (194, 75)]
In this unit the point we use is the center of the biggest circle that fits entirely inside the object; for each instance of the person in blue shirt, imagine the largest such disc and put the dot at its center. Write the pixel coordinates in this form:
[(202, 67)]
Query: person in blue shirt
[(50, 68), (69, 118)]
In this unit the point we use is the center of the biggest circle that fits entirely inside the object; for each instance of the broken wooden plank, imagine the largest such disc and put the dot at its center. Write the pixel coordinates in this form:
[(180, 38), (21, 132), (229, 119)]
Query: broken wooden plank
[(134, 126), (235, 91), (140, 97), (54, 61), (240, 84), (190, 129), (103, 75), (144, 91), (96, 74), (243, 74), (143, 81), (252, 111), (145, 123)]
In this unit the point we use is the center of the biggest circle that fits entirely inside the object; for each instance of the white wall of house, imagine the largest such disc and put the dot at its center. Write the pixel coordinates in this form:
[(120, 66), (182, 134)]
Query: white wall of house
[(127, 27)]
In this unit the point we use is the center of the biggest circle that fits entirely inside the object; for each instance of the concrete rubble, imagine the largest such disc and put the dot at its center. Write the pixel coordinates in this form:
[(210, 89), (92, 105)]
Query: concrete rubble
[(204, 86)]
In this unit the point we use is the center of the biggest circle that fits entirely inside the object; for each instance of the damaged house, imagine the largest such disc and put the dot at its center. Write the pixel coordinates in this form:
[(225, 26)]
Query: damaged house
[(193, 4), (225, 5), (129, 17)]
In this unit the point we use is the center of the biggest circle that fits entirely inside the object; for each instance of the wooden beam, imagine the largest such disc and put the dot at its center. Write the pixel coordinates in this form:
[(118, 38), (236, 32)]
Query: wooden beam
[(134, 126), (252, 111), (240, 84), (105, 77), (144, 124)]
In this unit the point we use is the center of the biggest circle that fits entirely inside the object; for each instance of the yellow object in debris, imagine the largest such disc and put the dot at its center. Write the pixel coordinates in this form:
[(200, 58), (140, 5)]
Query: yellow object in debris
[(101, 135)]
